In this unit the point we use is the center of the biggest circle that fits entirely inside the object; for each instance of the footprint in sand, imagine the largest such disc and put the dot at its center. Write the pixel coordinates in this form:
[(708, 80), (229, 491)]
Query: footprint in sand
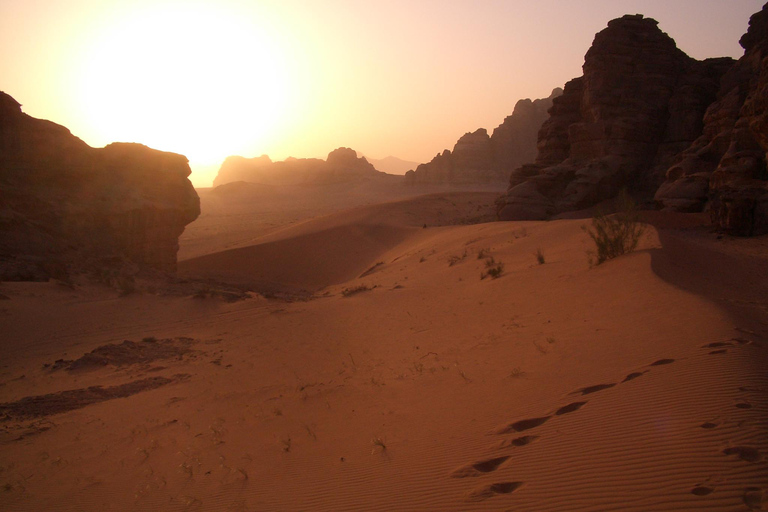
[(575, 406), (701, 490), (522, 425), (489, 491), (479, 468), (708, 425), (718, 344), (517, 442), (592, 389), (755, 498), (661, 362), (633, 376), (524, 440), (719, 351), (743, 405), (745, 453)]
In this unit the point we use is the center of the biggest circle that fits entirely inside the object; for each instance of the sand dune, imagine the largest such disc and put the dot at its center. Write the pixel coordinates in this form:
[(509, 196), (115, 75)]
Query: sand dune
[(637, 385), (315, 253)]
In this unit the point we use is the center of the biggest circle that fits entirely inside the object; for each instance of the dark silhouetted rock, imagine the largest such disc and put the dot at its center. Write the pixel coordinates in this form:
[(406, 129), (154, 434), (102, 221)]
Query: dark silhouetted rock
[(341, 165), (639, 103), (63, 202), (479, 158), (724, 170)]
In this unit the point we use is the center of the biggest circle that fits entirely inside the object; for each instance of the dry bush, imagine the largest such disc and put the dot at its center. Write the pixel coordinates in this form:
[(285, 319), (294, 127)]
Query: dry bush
[(615, 234)]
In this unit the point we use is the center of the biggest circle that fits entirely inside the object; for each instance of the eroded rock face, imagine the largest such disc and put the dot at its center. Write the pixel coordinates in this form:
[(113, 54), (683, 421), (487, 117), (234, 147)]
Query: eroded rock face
[(480, 158), (63, 202), (640, 102), (342, 164), (724, 170)]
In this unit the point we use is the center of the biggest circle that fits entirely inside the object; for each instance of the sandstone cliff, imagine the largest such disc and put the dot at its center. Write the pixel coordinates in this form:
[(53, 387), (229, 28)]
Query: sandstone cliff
[(65, 203), (480, 158), (342, 164), (724, 170), (693, 135), (639, 103)]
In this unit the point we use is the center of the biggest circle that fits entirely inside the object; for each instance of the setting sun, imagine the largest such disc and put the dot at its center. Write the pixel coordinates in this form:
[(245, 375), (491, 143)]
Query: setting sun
[(198, 81)]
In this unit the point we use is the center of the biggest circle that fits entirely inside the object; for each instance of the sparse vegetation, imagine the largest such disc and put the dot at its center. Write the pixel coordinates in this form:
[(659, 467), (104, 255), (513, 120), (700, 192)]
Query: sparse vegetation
[(484, 253), (540, 256), (615, 234), (454, 259), (348, 292), (494, 268)]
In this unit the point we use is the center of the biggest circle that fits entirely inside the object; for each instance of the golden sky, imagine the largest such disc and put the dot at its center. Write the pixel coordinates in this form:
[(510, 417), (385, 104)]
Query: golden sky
[(212, 78)]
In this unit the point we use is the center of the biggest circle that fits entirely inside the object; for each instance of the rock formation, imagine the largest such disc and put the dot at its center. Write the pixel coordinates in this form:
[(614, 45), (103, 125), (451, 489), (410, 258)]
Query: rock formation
[(691, 134), (342, 164), (640, 102), (480, 158), (724, 170), (65, 203)]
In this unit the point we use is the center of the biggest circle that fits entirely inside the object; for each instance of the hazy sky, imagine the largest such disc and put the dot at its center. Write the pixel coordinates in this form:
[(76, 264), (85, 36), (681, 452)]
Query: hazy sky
[(212, 78)]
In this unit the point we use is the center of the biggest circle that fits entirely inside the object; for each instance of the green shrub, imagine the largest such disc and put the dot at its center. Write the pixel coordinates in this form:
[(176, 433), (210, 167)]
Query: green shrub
[(615, 234)]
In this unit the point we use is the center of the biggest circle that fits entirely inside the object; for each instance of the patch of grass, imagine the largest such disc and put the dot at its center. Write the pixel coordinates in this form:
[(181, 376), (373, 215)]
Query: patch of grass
[(484, 253), (540, 256), (615, 234), (348, 292), (454, 259), (494, 269)]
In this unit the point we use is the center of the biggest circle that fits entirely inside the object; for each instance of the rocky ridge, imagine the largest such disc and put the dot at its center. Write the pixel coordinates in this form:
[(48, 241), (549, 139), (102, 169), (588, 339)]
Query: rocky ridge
[(63, 203), (481, 158)]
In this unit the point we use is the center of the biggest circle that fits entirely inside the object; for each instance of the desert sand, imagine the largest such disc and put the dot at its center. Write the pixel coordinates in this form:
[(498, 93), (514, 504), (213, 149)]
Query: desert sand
[(377, 370)]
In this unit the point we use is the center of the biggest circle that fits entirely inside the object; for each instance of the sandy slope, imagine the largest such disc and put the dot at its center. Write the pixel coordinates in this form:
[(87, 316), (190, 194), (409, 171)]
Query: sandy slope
[(638, 385)]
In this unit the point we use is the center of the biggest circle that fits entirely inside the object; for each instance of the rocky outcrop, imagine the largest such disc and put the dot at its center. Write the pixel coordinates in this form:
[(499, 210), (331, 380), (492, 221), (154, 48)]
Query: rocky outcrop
[(480, 158), (724, 170), (639, 103), (65, 203), (341, 165)]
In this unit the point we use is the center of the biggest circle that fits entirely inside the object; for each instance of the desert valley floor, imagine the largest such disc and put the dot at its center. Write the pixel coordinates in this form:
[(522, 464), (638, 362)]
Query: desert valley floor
[(378, 371)]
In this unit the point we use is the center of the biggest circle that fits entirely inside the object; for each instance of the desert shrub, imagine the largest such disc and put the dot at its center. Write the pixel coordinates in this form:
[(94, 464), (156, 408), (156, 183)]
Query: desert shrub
[(454, 259), (615, 234), (494, 269), (347, 292)]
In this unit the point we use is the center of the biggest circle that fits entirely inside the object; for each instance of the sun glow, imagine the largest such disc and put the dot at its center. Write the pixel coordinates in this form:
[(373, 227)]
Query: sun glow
[(197, 80)]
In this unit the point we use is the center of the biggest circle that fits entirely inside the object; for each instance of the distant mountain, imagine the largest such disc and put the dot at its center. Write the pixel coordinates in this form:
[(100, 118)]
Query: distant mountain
[(480, 158), (393, 165), (342, 164)]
